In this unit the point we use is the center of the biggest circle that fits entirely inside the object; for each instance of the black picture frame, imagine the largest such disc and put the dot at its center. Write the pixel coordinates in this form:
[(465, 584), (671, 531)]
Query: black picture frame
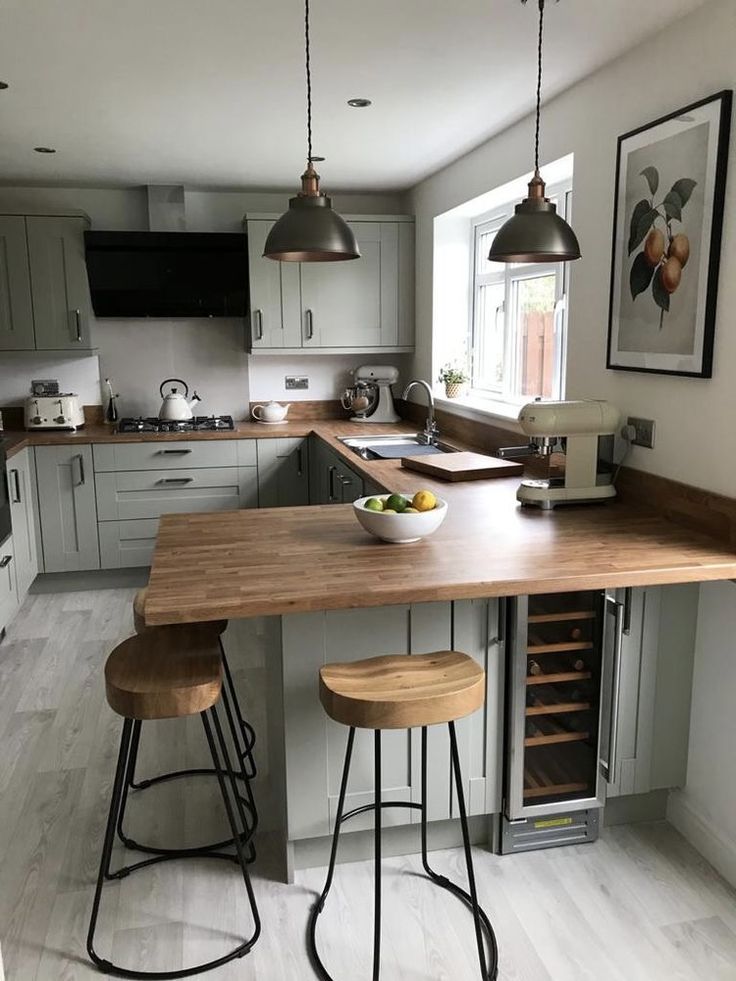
[(703, 366)]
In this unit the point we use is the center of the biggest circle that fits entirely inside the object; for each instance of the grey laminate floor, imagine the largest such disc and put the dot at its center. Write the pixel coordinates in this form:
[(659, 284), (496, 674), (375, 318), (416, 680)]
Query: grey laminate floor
[(639, 905)]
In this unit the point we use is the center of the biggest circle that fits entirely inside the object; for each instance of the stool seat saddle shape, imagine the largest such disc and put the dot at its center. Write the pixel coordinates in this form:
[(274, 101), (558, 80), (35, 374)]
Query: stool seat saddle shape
[(401, 692), (404, 691), (149, 676)]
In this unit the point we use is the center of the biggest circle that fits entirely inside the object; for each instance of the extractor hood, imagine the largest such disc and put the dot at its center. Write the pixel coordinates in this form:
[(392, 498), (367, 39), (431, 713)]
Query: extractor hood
[(167, 273)]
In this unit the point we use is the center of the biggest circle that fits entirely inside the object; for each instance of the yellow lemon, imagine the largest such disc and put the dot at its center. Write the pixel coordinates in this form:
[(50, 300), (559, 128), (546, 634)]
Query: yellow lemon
[(424, 500)]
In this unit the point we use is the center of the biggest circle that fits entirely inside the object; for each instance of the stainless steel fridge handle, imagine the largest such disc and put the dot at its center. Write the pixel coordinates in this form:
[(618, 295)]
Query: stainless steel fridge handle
[(609, 766)]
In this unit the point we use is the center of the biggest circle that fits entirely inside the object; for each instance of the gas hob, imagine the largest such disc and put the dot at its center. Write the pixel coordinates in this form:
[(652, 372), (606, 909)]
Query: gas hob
[(197, 424)]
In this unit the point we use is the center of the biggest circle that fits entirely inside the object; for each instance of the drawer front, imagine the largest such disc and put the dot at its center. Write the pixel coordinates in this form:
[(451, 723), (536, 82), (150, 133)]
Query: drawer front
[(174, 454), (127, 544), (150, 493)]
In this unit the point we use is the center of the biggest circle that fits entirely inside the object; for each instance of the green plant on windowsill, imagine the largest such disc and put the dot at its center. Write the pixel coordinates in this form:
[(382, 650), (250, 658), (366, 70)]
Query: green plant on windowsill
[(454, 380)]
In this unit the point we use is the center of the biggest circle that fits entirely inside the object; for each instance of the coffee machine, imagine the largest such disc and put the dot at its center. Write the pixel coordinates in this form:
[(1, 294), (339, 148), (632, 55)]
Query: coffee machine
[(577, 439), (370, 398)]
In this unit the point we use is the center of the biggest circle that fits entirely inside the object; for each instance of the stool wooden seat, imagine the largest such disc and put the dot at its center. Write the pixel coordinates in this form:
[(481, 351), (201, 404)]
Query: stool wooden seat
[(400, 691), (160, 675), (218, 627)]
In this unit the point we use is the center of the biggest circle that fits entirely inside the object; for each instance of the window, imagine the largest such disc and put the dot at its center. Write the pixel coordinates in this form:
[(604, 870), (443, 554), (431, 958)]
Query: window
[(518, 317)]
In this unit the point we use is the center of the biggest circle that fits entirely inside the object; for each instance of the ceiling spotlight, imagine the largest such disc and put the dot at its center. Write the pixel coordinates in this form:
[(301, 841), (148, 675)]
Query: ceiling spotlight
[(4, 85), (359, 103), (44, 149)]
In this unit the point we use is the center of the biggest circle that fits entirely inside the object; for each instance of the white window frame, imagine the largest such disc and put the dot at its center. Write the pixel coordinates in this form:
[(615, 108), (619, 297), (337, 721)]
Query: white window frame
[(510, 275)]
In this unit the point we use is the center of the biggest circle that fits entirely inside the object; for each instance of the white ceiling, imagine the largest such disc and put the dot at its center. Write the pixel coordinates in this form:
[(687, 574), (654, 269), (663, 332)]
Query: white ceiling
[(210, 93)]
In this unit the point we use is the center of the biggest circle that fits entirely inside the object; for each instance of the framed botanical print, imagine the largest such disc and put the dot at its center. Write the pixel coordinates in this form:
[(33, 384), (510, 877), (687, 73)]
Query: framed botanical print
[(668, 217)]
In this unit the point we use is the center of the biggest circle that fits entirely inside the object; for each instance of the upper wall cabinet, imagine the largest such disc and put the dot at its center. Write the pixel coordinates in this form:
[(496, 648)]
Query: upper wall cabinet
[(44, 293), (361, 305)]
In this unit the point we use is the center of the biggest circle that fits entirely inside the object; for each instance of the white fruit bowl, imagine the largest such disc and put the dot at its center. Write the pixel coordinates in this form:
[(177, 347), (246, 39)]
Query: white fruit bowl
[(400, 528)]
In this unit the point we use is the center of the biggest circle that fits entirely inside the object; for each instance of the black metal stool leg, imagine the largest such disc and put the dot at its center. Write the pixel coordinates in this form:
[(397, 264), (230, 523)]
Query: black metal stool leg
[(104, 872), (246, 729), (317, 964), (377, 857)]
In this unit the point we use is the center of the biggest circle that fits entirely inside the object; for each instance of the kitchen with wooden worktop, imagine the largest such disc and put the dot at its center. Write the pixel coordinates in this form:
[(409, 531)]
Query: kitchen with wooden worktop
[(368, 553)]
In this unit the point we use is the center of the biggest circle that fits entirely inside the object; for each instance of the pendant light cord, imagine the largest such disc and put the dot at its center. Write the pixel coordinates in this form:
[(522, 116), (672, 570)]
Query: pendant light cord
[(309, 82), (539, 86)]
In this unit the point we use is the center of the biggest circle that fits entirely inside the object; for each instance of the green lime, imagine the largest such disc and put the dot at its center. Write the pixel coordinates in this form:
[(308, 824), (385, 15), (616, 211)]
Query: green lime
[(396, 503), (373, 504), (389, 511)]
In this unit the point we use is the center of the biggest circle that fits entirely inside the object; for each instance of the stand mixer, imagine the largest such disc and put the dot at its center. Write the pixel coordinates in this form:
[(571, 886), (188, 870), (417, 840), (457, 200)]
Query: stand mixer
[(580, 436), (370, 398)]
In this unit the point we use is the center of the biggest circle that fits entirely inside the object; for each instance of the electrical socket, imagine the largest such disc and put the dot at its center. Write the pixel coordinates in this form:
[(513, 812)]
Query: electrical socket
[(644, 431), (296, 381)]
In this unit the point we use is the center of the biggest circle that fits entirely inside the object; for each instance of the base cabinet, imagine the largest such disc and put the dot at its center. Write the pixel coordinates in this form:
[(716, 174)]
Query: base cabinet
[(8, 588), (283, 472), (315, 745), (21, 477), (332, 481), (67, 508)]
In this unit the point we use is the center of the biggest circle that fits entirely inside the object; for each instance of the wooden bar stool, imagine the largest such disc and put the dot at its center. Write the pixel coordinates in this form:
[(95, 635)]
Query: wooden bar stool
[(246, 734), (403, 692), (164, 674)]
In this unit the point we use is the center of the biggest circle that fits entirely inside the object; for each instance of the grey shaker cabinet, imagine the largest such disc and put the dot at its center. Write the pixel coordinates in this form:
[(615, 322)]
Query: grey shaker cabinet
[(61, 300), (655, 688), (21, 478), (8, 588), (274, 294), (332, 481), (67, 507), (283, 472), (315, 745), (16, 306)]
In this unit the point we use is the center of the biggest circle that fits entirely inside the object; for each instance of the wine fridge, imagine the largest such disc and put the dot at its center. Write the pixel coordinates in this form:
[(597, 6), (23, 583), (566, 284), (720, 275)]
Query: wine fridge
[(564, 652)]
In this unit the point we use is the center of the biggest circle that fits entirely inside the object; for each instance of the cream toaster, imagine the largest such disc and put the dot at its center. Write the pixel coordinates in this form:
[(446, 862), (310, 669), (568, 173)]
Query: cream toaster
[(53, 412)]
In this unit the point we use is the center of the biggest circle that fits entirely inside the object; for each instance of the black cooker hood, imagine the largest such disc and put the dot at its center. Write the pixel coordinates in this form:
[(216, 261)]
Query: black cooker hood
[(167, 274)]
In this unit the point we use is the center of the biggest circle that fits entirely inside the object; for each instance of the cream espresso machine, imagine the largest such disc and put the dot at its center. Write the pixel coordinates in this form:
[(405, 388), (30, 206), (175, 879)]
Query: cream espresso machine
[(578, 440)]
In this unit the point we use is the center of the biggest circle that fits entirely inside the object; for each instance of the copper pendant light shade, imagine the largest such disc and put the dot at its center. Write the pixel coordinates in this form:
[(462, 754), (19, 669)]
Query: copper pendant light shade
[(310, 231), (535, 233)]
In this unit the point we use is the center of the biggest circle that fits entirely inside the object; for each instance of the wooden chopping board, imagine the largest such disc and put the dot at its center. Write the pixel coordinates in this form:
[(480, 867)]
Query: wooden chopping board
[(462, 466)]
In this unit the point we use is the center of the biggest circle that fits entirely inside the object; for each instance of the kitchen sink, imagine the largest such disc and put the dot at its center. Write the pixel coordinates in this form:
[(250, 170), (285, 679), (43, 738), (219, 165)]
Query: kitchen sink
[(393, 447)]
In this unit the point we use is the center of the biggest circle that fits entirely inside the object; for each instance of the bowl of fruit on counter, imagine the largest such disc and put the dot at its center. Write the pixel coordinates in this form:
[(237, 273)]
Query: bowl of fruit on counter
[(400, 519)]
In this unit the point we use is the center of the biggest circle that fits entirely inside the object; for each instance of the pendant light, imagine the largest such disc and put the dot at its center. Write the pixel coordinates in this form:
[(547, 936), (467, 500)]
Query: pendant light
[(535, 233), (310, 231)]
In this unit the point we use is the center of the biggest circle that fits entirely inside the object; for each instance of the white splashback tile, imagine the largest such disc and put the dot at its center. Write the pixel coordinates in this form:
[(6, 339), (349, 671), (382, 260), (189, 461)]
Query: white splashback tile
[(328, 374)]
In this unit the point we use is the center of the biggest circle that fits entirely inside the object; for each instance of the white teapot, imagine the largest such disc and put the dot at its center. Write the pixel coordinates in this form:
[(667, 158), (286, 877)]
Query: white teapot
[(271, 412)]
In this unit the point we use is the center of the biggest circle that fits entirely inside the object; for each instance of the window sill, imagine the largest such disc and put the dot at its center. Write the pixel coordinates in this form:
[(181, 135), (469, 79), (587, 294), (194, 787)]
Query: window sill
[(474, 407)]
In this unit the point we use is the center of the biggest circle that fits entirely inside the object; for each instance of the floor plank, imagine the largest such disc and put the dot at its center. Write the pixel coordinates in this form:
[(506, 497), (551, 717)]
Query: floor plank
[(639, 905)]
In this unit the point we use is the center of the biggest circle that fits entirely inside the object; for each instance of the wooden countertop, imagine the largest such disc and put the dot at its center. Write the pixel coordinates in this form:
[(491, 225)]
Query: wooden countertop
[(288, 560)]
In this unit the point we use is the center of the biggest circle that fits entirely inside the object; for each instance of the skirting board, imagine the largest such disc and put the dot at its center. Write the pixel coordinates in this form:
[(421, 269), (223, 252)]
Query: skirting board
[(66, 582), (709, 841)]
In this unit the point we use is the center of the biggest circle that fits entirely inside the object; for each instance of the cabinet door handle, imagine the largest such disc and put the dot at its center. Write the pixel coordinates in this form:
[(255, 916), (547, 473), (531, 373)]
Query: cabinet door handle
[(78, 322), (609, 766), (80, 460), (310, 324), (332, 472), (175, 480), (258, 324), (299, 461), (173, 452), (5, 561), (16, 487)]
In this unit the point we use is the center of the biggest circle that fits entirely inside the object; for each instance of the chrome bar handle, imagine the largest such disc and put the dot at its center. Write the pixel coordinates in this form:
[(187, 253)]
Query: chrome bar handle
[(299, 461), (16, 485), (609, 766), (310, 324), (78, 322), (5, 561), (332, 471), (175, 480), (80, 459), (258, 323), (173, 452)]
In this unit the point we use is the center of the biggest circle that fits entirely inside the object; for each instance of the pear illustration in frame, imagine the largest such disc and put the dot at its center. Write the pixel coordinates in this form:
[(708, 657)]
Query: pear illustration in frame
[(668, 218)]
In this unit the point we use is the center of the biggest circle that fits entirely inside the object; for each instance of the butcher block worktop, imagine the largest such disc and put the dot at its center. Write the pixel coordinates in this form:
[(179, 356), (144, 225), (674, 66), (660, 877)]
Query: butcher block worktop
[(287, 560)]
